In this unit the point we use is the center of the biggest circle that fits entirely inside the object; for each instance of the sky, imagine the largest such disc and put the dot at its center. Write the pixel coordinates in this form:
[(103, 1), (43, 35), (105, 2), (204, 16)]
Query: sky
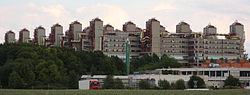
[(18, 14)]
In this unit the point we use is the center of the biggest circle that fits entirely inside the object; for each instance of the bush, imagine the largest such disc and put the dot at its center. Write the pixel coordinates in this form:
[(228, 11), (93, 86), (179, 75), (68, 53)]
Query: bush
[(143, 84), (200, 82), (118, 84), (231, 81), (180, 84), (108, 82), (172, 85), (164, 84)]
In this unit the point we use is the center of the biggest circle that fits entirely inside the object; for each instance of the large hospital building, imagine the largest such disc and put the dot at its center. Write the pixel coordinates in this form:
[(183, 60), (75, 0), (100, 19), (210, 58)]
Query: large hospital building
[(188, 47)]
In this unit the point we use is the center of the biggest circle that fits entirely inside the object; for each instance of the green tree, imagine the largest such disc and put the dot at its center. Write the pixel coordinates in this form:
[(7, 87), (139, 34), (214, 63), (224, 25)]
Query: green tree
[(15, 81), (231, 81), (39, 66), (25, 70), (73, 80), (180, 84), (118, 84), (199, 82), (172, 85), (164, 84), (143, 84), (108, 82)]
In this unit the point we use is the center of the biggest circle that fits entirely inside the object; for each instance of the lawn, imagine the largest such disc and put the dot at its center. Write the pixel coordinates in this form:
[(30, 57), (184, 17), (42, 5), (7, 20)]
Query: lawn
[(123, 92)]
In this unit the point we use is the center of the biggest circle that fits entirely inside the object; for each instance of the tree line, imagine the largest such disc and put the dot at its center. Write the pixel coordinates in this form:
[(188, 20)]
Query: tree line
[(26, 66)]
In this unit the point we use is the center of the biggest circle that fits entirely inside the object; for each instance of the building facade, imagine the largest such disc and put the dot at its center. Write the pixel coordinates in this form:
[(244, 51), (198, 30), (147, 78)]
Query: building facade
[(10, 37), (56, 35), (193, 48), (39, 35), (24, 36), (188, 47)]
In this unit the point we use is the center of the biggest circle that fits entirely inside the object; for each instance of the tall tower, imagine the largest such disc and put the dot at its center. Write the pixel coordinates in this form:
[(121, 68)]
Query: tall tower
[(237, 29), (24, 36), (10, 37), (75, 28), (153, 32), (56, 34), (96, 33), (39, 35), (209, 31), (129, 27), (183, 27), (108, 28)]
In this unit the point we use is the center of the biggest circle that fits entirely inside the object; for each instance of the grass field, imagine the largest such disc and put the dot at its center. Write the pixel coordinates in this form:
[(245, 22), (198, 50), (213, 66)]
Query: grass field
[(123, 92)]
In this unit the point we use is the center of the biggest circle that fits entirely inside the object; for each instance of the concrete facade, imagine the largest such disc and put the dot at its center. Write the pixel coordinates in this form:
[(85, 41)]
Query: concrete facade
[(10, 37), (39, 35), (56, 35), (96, 32), (24, 36)]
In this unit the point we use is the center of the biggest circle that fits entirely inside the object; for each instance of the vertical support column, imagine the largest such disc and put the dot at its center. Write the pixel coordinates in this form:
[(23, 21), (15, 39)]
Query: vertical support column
[(215, 73), (209, 74)]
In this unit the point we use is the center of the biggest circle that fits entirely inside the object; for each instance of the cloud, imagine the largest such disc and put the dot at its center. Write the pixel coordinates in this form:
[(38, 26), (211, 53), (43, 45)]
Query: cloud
[(57, 11), (164, 6), (111, 14), (31, 16)]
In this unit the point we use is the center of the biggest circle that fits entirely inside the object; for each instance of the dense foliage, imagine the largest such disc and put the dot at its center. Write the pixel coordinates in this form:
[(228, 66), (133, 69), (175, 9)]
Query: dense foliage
[(110, 83), (164, 84), (143, 84), (153, 62), (34, 66), (199, 82), (231, 81), (180, 84)]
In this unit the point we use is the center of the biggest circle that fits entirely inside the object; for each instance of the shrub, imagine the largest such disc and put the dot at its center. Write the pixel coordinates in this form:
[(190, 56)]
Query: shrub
[(172, 85), (143, 84), (180, 84), (108, 82), (231, 81), (200, 82), (118, 84), (164, 84)]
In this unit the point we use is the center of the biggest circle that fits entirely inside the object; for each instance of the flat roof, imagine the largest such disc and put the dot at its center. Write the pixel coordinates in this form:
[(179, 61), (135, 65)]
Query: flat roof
[(206, 69)]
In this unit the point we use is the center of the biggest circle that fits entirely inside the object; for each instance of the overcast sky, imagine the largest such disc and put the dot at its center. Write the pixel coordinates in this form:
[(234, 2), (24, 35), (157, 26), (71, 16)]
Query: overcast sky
[(18, 14)]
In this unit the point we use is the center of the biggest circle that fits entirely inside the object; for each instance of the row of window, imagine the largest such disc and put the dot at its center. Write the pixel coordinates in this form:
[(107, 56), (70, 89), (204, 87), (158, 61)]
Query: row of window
[(205, 47), (120, 40), (206, 52), (120, 50), (201, 42)]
